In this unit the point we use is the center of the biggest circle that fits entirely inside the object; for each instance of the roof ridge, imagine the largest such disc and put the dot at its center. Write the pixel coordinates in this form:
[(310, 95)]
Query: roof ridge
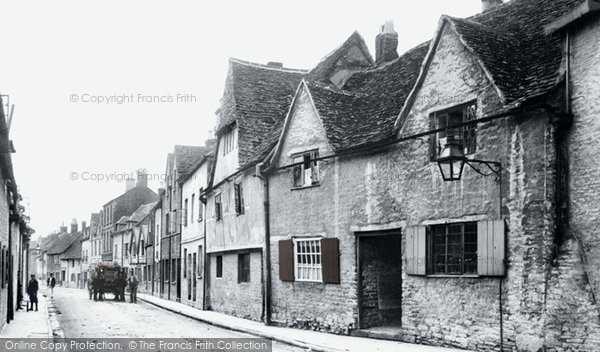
[(267, 67)]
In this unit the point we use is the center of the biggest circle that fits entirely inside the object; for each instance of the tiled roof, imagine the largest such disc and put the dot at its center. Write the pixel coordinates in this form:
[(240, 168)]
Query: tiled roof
[(141, 212), (62, 242), (256, 98), (186, 157), (512, 45), (326, 67), (365, 111), (74, 251)]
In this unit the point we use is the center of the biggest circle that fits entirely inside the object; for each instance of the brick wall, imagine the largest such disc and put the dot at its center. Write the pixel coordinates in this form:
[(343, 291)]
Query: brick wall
[(244, 299)]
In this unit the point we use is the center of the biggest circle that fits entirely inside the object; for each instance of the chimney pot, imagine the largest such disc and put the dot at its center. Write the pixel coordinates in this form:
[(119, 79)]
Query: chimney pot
[(386, 44), (490, 4)]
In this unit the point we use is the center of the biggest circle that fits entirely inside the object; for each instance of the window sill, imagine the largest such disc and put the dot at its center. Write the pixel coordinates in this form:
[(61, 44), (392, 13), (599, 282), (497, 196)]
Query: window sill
[(306, 187), (441, 276)]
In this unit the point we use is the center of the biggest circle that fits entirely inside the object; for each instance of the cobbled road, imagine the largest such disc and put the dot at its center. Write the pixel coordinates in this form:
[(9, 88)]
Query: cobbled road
[(81, 318)]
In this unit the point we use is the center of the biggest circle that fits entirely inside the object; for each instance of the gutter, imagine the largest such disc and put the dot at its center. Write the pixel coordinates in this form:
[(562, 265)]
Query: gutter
[(267, 246)]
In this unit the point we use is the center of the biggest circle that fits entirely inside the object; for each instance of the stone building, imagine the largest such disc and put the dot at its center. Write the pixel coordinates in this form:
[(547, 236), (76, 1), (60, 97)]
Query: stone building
[(136, 194), (367, 237), (250, 118), (179, 164), (192, 233)]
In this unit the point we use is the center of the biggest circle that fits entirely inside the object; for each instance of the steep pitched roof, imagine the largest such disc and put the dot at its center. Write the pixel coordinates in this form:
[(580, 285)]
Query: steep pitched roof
[(339, 56), (256, 98), (141, 212), (74, 251), (512, 47), (186, 157), (62, 242)]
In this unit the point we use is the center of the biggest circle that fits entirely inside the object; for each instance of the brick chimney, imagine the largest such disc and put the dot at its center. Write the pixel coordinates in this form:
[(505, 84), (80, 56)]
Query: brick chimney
[(386, 44), (142, 178), (83, 225), (490, 4), (63, 228), (74, 225)]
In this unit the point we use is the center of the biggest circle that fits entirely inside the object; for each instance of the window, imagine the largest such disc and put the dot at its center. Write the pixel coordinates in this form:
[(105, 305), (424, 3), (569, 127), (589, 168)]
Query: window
[(307, 265), (218, 207), (192, 208), (200, 271), (454, 116), (307, 173), (185, 261), (185, 212), (219, 266), (243, 267), (239, 198), (126, 250), (143, 249), (73, 263), (229, 139), (453, 249)]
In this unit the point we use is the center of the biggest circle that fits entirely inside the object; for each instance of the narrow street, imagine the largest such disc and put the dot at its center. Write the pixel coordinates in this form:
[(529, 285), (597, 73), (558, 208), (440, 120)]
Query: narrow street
[(80, 317)]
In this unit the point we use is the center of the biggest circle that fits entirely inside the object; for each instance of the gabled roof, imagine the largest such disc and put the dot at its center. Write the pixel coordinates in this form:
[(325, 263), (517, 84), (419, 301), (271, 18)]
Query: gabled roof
[(73, 252), (256, 99), (324, 69), (511, 45), (141, 212), (186, 157), (364, 111), (62, 242)]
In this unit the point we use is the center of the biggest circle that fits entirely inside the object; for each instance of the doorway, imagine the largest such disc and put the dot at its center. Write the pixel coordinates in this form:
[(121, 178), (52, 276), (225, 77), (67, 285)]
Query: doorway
[(380, 279)]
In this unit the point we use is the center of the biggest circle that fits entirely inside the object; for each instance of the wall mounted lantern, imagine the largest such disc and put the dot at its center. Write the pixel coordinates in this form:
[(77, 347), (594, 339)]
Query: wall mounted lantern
[(452, 161)]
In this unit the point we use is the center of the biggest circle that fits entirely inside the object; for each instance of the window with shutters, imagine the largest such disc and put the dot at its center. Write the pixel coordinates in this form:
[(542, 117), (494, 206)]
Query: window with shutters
[(454, 116), (306, 173), (218, 208), (229, 139), (453, 249), (243, 267), (307, 256), (239, 198), (219, 266)]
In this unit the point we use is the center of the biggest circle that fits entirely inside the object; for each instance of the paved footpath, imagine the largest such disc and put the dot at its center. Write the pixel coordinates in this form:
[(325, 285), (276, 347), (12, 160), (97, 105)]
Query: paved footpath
[(310, 340), (30, 324)]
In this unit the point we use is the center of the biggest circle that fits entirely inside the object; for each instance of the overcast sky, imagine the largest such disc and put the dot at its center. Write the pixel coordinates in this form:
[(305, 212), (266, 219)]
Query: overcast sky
[(57, 52)]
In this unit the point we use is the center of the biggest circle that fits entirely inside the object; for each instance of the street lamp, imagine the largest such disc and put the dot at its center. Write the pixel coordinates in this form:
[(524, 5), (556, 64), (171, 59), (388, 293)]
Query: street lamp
[(452, 161)]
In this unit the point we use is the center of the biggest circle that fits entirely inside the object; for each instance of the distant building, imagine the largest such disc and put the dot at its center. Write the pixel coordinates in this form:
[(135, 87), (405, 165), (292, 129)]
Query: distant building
[(123, 206), (58, 246)]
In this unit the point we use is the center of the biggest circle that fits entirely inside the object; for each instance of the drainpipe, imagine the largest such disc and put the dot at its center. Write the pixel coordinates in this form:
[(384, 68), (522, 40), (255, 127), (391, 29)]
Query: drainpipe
[(267, 247), (203, 200)]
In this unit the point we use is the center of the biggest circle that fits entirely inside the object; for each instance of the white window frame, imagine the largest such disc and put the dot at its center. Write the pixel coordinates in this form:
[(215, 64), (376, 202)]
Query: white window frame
[(310, 175), (313, 271)]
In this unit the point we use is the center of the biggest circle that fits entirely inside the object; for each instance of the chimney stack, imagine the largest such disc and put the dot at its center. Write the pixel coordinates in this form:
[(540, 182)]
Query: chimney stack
[(74, 226), (129, 184), (63, 228), (83, 225), (386, 44), (142, 178), (490, 4)]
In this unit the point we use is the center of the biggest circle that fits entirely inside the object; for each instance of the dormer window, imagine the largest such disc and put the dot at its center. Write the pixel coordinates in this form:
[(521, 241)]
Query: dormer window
[(229, 139), (306, 173), (467, 134)]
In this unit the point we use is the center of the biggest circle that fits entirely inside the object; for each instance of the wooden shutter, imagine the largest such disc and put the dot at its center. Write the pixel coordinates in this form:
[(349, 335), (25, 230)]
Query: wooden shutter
[(490, 248), (330, 260), (286, 260), (415, 250)]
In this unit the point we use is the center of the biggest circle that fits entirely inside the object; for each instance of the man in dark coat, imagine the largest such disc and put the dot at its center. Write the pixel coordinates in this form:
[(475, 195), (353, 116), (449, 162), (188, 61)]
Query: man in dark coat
[(51, 283), (32, 289), (133, 286)]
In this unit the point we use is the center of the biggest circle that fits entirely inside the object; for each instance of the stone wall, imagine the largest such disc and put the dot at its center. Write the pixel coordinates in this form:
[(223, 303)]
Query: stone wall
[(227, 295)]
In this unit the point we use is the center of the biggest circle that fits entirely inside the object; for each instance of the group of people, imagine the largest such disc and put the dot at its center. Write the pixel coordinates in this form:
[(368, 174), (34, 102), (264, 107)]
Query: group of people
[(97, 285), (32, 290)]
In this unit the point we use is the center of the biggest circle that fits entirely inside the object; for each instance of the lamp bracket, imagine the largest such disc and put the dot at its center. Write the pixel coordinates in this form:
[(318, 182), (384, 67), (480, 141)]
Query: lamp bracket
[(493, 166)]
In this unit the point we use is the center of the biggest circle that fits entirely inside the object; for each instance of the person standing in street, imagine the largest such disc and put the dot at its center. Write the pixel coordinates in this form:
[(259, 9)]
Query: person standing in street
[(51, 284), (133, 286), (32, 289)]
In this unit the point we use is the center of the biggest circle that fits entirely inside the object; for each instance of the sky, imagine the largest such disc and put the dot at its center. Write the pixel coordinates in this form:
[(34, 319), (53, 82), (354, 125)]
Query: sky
[(103, 88)]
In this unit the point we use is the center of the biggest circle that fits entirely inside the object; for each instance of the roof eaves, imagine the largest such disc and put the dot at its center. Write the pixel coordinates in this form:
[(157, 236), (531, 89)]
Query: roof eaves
[(583, 10)]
